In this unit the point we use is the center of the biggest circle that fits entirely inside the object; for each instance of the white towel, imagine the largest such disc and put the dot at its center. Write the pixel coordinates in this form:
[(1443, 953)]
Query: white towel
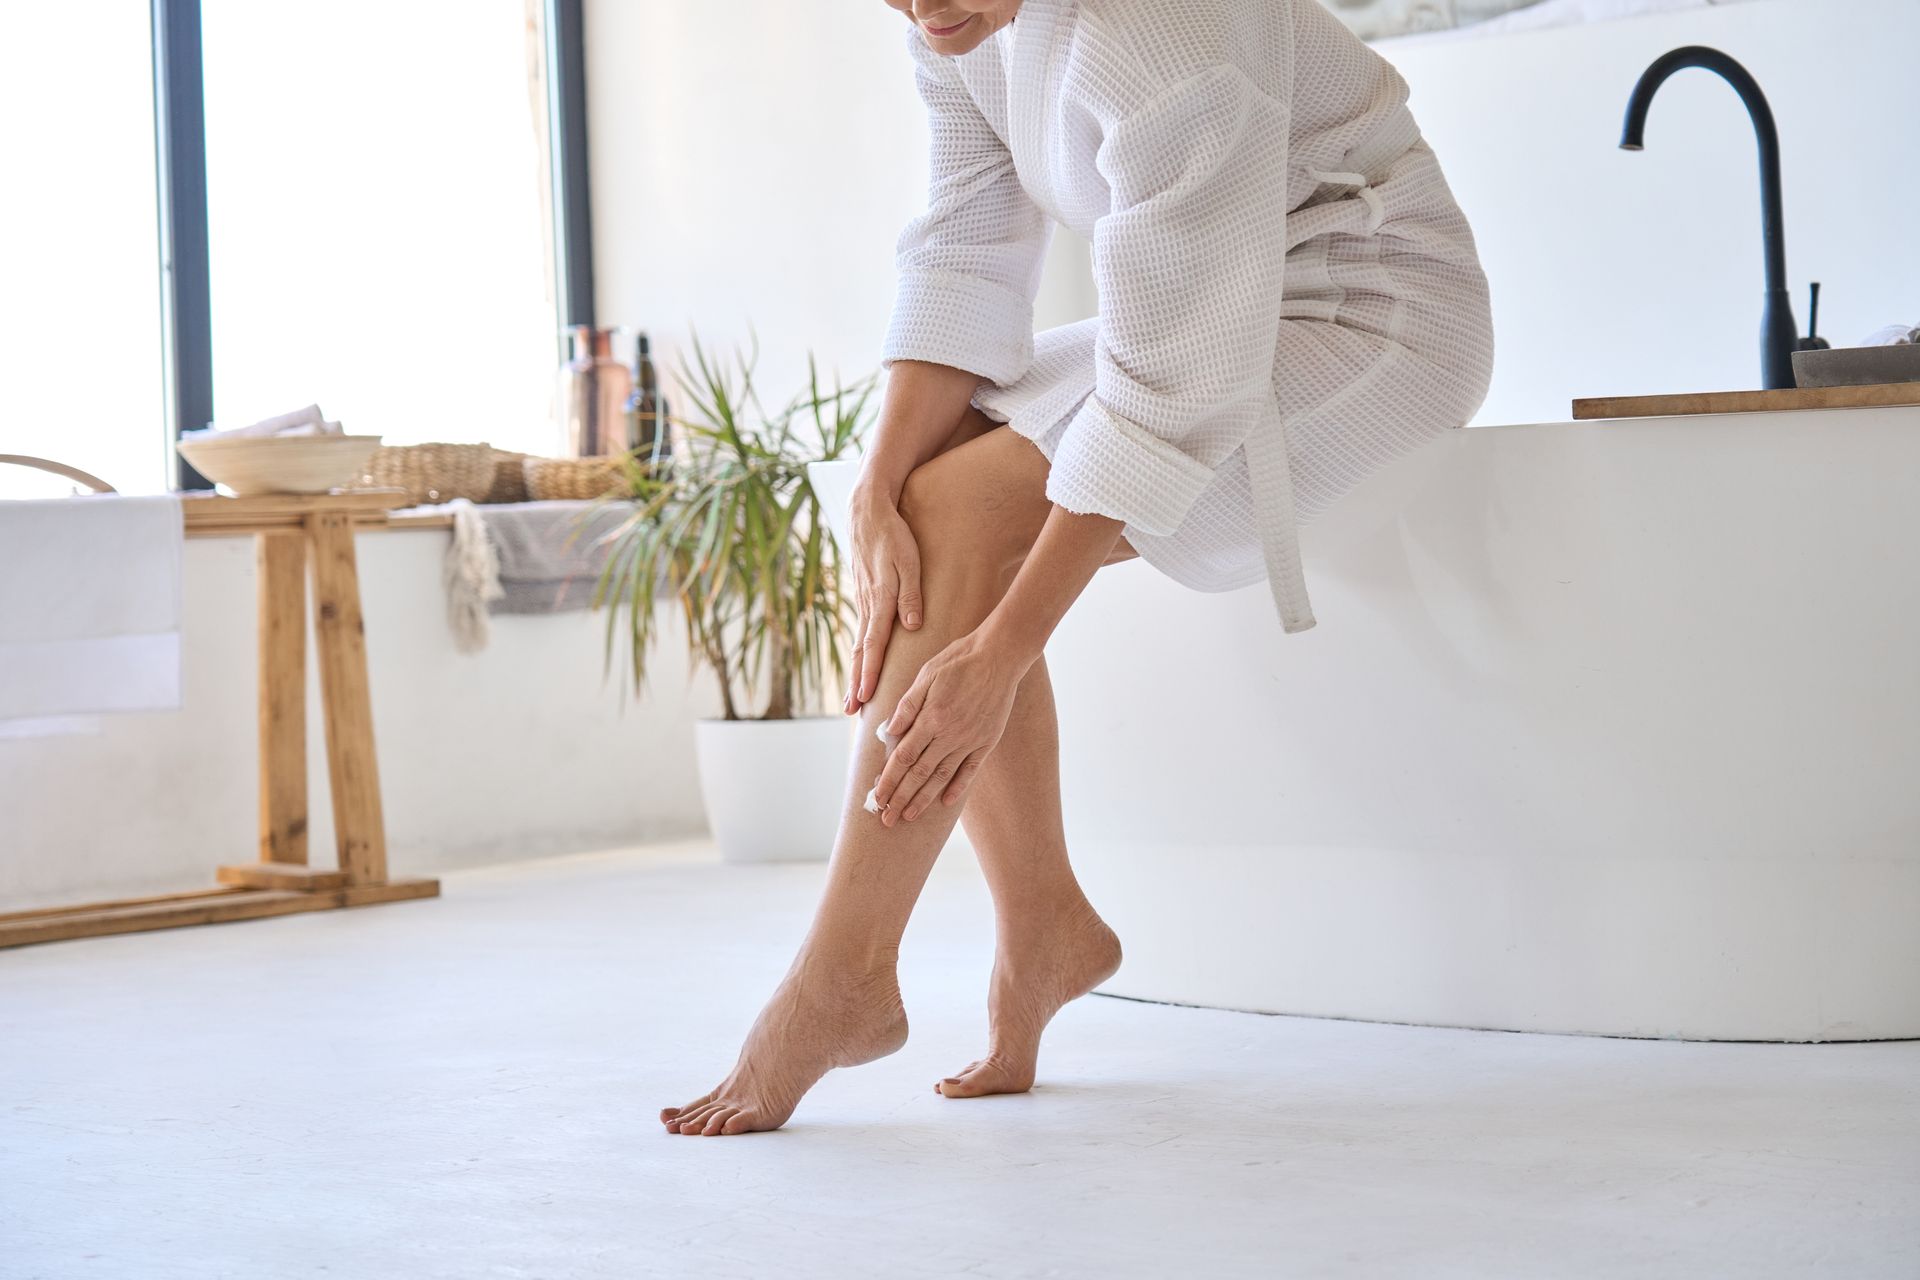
[(471, 575), (300, 422), (89, 608)]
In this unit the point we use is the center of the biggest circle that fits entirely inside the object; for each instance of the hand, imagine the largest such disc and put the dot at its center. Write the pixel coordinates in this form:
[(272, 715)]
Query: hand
[(946, 724), (886, 584)]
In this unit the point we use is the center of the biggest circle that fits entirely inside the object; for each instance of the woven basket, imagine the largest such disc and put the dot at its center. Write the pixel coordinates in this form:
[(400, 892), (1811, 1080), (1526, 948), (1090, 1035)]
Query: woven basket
[(509, 477), (573, 479), (433, 472)]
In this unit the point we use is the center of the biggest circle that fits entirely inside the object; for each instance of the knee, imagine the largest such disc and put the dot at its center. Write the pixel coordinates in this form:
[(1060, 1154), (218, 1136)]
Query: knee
[(956, 516), (930, 503)]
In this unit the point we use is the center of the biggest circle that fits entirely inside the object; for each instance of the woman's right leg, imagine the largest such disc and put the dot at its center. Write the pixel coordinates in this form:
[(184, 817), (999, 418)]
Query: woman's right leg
[(1050, 946)]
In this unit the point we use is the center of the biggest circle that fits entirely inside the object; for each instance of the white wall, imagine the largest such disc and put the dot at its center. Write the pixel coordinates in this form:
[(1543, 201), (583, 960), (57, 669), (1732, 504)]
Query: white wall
[(749, 166), (753, 163), (517, 750), (1616, 273)]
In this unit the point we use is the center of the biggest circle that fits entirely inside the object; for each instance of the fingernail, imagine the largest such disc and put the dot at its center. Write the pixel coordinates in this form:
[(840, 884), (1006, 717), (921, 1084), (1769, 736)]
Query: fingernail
[(913, 619)]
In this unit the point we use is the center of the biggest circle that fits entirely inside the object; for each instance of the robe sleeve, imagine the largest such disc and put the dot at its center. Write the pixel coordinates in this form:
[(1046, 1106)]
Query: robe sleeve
[(1188, 263), (970, 265)]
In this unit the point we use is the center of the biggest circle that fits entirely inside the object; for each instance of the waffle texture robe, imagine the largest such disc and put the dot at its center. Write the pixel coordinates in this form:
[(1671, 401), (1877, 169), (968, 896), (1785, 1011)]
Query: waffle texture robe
[(1290, 297)]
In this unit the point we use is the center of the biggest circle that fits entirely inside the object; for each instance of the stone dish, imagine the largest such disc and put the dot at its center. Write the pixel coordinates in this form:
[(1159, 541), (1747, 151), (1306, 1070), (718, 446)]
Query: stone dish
[(1857, 366)]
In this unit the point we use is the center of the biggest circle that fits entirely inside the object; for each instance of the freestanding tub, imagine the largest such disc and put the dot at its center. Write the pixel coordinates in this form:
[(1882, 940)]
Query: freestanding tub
[(1606, 727)]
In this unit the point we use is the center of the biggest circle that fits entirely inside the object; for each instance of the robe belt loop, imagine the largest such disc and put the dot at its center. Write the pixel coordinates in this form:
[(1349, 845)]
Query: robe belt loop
[(1376, 207)]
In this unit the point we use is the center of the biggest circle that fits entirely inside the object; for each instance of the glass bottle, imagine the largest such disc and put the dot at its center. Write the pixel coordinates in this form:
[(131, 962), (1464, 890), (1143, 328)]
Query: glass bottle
[(646, 414)]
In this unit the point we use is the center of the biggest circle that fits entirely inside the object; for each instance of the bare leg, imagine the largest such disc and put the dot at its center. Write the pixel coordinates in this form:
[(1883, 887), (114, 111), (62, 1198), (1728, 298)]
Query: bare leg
[(1051, 947), (975, 510)]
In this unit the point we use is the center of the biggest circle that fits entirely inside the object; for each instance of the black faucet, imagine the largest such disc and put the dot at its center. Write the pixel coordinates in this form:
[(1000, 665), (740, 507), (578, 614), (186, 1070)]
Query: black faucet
[(1777, 328)]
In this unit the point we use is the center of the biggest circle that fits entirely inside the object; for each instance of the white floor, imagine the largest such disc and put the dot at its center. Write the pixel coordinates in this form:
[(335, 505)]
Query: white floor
[(466, 1088)]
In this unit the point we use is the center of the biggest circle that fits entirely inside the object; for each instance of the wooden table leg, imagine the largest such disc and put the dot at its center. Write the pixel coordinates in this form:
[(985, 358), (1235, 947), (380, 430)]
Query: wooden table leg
[(281, 585), (346, 700), (283, 696)]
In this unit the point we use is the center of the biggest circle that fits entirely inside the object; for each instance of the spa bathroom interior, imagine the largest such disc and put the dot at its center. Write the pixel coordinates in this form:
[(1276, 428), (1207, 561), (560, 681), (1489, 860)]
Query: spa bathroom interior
[(960, 638)]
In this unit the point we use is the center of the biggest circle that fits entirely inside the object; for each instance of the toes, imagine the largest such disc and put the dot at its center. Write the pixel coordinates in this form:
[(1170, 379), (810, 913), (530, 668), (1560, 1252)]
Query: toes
[(983, 1079), (691, 1119), (717, 1119), (669, 1114), (957, 1086), (738, 1122)]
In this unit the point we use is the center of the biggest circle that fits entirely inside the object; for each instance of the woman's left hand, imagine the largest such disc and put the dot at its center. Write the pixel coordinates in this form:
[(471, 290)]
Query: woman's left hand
[(946, 724)]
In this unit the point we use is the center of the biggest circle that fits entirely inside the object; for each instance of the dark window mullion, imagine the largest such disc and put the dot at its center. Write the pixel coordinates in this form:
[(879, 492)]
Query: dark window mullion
[(567, 99), (180, 162)]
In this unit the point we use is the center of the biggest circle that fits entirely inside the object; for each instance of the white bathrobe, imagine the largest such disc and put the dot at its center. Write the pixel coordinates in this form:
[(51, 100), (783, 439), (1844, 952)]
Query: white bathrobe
[(1289, 295)]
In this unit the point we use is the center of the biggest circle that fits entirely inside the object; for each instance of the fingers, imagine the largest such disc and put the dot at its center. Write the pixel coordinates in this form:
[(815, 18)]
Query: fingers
[(907, 710), (909, 604), (900, 766), (933, 787), (962, 780), (871, 651), (916, 774), (905, 751)]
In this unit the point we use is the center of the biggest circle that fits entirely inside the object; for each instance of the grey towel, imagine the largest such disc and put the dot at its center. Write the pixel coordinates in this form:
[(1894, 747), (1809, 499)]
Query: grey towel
[(550, 553)]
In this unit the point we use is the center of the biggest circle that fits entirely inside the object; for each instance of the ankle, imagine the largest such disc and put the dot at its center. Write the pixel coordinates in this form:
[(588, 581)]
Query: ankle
[(1048, 919), (855, 961)]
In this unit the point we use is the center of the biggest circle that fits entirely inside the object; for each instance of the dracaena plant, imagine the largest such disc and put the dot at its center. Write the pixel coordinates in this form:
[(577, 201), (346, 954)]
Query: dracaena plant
[(730, 529)]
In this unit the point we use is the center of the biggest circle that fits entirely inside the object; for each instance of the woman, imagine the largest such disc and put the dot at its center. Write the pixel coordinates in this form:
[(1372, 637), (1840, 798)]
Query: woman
[(1289, 299)]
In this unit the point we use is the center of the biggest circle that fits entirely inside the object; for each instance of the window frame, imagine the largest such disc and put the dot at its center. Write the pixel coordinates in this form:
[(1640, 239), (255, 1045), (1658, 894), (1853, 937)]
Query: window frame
[(180, 175)]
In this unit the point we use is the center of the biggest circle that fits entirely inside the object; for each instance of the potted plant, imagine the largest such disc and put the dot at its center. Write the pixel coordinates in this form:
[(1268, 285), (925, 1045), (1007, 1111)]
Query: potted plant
[(731, 531)]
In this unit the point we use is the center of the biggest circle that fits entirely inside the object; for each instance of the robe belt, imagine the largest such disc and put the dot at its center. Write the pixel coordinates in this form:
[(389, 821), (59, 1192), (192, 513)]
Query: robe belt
[(1271, 478)]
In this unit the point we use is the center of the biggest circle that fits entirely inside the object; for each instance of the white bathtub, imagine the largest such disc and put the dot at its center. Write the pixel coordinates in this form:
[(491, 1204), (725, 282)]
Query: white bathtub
[(1606, 727)]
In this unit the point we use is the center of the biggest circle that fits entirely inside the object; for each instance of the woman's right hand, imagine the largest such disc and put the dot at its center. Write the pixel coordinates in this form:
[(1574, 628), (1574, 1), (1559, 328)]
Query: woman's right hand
[(886, 584)]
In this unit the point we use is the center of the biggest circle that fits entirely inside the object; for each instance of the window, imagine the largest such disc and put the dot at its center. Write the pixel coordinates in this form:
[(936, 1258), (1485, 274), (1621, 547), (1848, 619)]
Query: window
[(380, 197), (376, 191), (80, 349)]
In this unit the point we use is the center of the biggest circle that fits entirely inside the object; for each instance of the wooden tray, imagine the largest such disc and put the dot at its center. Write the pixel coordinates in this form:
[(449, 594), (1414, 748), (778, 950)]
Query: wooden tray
[(1876, 395)]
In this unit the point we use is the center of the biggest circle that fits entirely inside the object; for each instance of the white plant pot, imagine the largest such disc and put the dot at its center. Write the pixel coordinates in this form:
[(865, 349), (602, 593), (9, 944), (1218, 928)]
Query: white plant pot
[(833, 484), (774, 788)]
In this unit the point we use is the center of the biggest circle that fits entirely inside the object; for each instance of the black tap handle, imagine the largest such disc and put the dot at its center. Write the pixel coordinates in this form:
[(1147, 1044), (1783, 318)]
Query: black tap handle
[(1813, 341)]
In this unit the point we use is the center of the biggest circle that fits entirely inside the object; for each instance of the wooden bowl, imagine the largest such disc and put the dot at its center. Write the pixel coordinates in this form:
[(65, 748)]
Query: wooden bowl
[(280, 464)]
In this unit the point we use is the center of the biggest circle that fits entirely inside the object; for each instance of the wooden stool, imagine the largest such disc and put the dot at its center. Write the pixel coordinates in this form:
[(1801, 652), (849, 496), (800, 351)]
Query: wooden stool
[(290, 532)]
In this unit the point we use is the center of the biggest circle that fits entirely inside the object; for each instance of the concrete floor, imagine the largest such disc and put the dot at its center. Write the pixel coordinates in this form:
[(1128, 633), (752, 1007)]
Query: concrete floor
[(466, 1088)]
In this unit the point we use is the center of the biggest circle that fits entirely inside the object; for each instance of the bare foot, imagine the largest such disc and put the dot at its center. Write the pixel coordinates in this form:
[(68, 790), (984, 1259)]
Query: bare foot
[(816, 1021), (1035, 973)]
